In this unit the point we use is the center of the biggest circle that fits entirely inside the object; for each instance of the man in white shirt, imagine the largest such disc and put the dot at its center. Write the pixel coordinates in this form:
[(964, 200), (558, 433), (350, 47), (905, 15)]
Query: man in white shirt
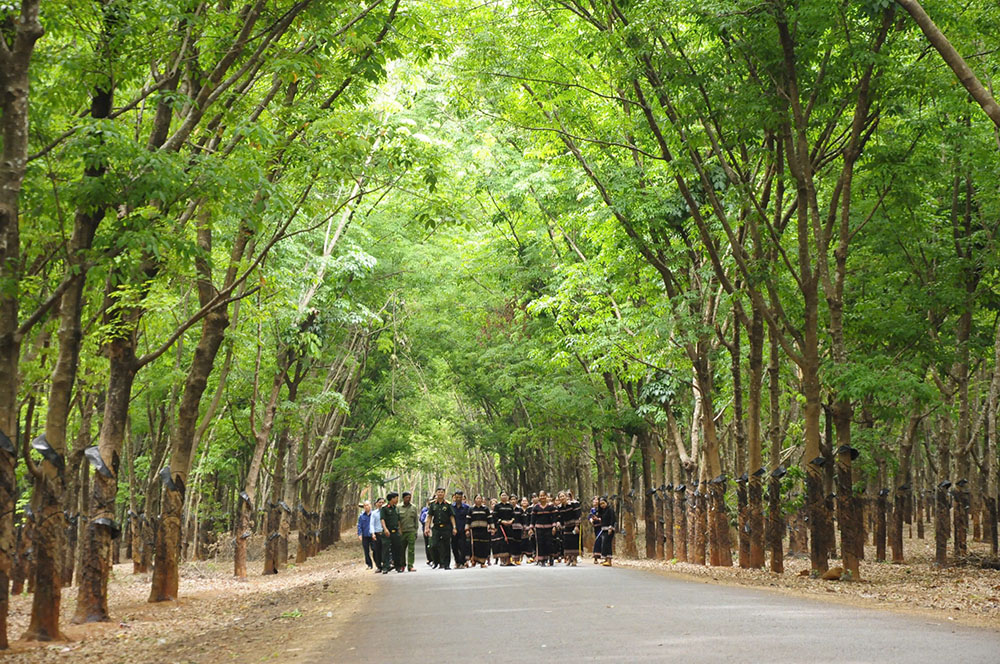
[(375, 530)]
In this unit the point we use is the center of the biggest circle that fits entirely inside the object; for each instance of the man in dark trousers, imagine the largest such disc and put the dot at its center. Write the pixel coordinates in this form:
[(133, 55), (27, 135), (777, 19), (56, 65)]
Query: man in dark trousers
[(461, 511), (440, 526), (392, 542), (408, 517)]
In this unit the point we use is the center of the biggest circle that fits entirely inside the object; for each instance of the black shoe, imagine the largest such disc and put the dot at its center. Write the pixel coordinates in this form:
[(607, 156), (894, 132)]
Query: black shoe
[(385, 571), (445, 567), (400, 570)]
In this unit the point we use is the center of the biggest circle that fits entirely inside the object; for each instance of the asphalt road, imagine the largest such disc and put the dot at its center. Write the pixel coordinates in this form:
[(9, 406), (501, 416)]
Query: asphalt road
[(596, 614)]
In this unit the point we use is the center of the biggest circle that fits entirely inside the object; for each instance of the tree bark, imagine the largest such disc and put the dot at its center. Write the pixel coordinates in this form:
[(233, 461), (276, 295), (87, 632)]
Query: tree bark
[(272, 546), (775, 518), (903, 493), (246, 508), (755, 463), (942, 523), (880, 525), (992, 485), (743, 524), (846, 516), (102, 528), (165, 574), (719, 524), (680, 525), (629, 524), (659, 495), (700, 524), (742, 504), (648, 490), (49, 477), (15, 61)]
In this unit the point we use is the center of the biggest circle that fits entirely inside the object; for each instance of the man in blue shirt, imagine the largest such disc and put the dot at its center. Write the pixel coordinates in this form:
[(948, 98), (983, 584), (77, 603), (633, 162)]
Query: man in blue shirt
[(427, 538), (364, 527), (461, 518)]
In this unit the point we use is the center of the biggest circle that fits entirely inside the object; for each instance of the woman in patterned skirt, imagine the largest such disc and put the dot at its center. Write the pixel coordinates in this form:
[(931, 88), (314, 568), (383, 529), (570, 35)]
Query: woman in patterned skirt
[(527, 541), (569, 517), (496, 539), (503, 523), (478, 530), (516, 532), (543, 521)]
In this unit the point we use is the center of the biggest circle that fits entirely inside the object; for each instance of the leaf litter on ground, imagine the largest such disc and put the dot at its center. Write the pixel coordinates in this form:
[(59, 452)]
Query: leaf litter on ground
[(281, 617), (966, 591)]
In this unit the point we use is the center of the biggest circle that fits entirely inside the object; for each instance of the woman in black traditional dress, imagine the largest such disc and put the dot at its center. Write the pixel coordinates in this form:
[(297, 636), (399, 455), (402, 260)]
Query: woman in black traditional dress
[(496, 540), (607, 537), (595, 520), (478, 530), (503, 522), (569, 517), (557, 540), (527, 541), (516, 532), (543, 520)]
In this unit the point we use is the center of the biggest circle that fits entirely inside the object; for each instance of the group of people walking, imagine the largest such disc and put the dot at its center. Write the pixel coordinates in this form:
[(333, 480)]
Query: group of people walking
[(506, 531), (388, 533)]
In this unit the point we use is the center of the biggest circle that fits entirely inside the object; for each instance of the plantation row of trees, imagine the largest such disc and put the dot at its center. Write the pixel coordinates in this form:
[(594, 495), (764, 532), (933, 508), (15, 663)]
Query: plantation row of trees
[(190, 334), (746, 241), (261, 259)]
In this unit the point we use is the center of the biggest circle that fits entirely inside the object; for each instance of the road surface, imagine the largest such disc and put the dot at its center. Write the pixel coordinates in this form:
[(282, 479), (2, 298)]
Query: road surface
[(596, 614)]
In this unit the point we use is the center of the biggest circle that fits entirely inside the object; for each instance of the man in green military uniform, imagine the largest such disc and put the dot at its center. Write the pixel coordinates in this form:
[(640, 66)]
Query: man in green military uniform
[(390, 529), (441, 526), (408, 516)]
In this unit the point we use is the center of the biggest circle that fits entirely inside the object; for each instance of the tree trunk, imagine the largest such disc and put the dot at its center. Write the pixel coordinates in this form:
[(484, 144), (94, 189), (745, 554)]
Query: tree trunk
[(992, 484), (290, 499), (815, 499), (903, 493), (755, 462), (272, 545), (92, 598), (775, 524), (880, 524), (648, 490), (668, 522), (743, 524), (700, 525), (715, 491), (49, 478), (168, 532), (741, 465), (942, 523), (846, 517), (246, 508), (15, 61), (680, 525), (660, 496), (775, 518)]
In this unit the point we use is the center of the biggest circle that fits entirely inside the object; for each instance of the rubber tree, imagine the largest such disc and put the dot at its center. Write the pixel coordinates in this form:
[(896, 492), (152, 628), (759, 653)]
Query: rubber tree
[(18, 35)]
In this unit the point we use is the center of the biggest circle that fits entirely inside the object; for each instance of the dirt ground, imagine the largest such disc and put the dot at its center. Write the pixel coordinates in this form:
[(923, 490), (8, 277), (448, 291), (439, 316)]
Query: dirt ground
[(217, 619), (966, 594)]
